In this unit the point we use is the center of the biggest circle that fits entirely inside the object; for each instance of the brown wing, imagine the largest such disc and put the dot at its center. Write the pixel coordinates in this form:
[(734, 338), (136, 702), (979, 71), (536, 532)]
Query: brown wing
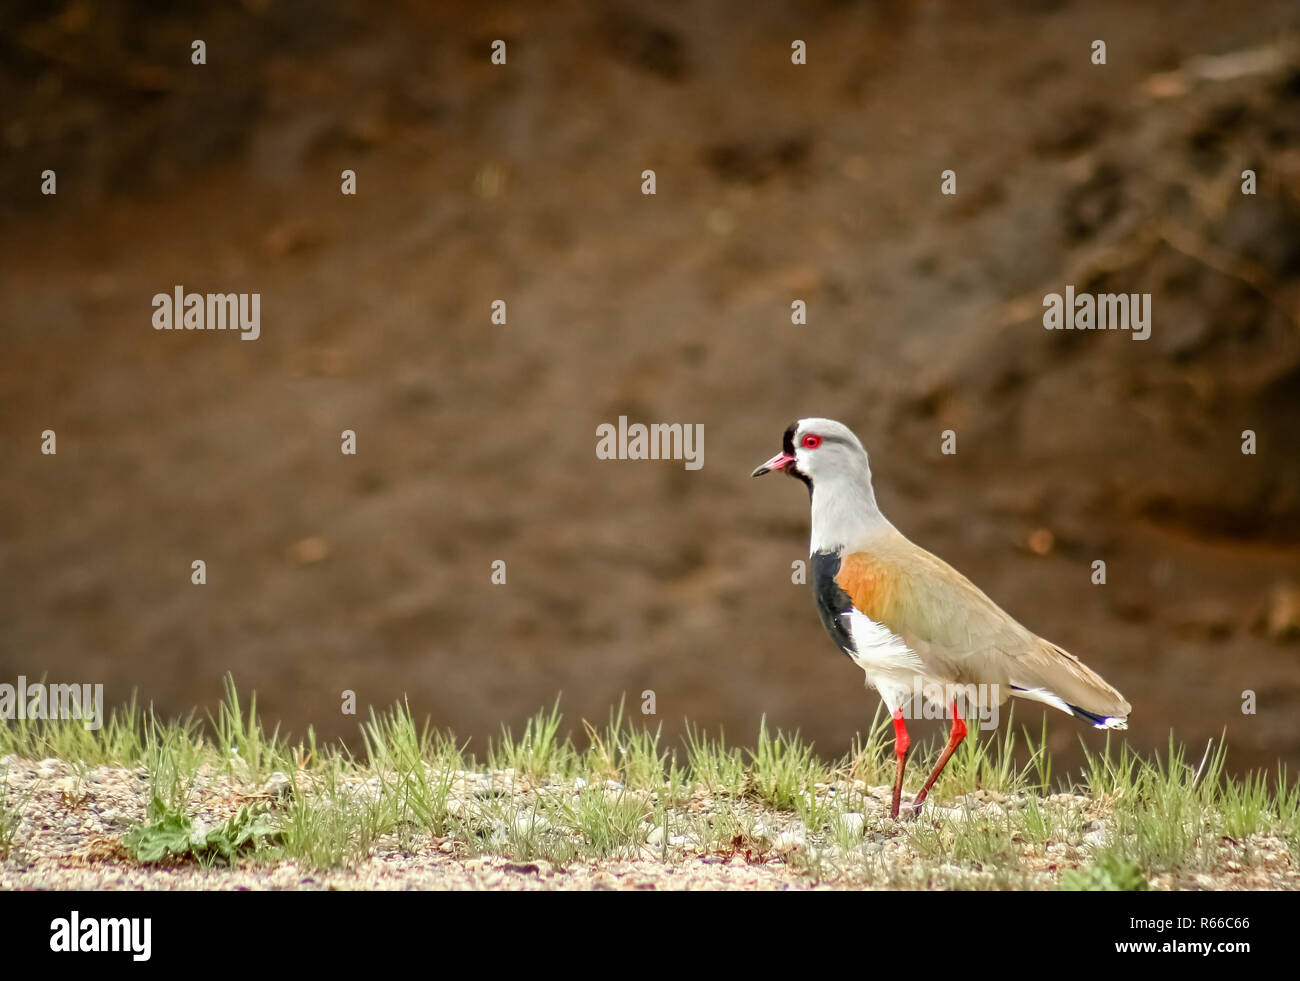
[(960, 633)]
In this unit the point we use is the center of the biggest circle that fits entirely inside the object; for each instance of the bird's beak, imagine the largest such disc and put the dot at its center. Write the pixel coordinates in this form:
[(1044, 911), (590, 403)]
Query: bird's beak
[(778, 462)]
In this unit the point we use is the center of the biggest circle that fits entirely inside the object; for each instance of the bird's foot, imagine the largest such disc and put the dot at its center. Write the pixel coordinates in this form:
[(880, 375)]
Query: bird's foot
[(906, 812), (910, 812)]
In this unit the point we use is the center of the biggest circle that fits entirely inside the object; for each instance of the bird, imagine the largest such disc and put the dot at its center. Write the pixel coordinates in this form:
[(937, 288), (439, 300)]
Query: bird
[(909, 620)]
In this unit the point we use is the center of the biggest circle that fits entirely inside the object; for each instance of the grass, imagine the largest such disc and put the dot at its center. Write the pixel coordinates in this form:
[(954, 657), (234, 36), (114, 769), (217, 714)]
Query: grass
[(1109, 873), (172, 756), (992, 822), (1167, 812), (719, 769), (783, 769), (11, 813), (970, 836), (243, 743), (120, 740), (608, 821), (332, 821), (539, 752)]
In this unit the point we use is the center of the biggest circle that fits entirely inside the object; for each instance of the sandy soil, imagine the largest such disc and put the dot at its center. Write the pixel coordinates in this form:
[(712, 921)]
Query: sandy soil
[(70, 837)]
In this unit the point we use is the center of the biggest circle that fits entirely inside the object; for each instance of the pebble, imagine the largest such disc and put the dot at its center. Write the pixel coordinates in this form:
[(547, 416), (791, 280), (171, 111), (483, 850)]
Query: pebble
[(67, 786), (530, 822), (788, 841), (278, 785), (852, 822)]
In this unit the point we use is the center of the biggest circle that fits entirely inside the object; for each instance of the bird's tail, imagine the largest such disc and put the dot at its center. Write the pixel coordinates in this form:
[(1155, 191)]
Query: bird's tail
[(1053, 675)]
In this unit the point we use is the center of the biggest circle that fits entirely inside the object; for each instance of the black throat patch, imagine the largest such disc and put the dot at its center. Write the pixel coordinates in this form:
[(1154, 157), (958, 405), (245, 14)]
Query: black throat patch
[(832, 601), (787, 447)]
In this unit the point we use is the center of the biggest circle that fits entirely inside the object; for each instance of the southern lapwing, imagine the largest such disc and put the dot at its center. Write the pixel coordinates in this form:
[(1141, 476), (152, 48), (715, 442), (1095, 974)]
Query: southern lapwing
[(915, 625)]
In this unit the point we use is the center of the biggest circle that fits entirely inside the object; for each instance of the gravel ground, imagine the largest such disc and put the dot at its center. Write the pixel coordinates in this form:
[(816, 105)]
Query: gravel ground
[(72, 823)]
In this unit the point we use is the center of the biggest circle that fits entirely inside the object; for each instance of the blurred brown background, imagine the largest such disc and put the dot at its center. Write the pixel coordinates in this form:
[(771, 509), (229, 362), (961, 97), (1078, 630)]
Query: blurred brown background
[(477, 442)]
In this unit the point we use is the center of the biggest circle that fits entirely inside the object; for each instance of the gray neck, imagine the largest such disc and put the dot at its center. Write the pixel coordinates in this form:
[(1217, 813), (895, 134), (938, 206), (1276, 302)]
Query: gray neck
[(845, 516)]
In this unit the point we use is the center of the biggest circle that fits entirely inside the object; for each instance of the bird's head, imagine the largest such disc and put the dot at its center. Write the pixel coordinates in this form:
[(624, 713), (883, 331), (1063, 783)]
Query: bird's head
[(819, 450), (828, 458)]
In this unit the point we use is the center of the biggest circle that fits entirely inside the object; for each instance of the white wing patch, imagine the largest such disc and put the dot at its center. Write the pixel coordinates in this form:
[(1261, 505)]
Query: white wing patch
[(891, 667), (1056, 701), (878, 647), (1042, 695)]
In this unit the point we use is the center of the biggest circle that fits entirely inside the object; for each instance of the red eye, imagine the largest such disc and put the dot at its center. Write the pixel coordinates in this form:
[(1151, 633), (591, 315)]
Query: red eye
[(811, 442)]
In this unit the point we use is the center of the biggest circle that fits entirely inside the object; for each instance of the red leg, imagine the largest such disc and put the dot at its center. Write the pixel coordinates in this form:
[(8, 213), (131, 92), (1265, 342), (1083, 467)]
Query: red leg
[(902, 744), (954, 740)]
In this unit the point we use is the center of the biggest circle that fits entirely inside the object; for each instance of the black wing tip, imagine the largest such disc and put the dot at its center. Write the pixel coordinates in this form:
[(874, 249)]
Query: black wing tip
[(1098, 721)]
